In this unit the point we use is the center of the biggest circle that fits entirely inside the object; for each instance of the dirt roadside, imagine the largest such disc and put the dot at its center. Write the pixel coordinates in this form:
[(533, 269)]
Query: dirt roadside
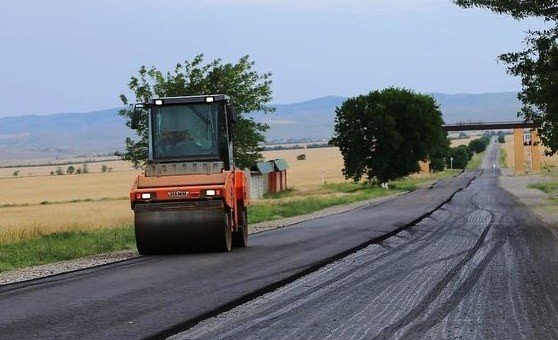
[(534, 199)]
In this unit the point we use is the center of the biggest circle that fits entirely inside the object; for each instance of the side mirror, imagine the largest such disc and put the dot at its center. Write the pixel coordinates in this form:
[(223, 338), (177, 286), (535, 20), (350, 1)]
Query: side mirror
[(136, 115)]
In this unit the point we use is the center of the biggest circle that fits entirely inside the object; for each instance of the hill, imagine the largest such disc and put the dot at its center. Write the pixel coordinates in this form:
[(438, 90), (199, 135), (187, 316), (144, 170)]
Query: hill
[(62, 135), (70, 134), (314, 118)]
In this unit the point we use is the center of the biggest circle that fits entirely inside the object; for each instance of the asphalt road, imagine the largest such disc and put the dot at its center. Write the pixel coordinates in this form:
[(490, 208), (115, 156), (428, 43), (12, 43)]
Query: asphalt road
[(161, 295), (481, 267)]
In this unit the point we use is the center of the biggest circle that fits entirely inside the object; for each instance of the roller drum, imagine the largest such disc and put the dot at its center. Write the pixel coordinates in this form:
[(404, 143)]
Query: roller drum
[(182, 227)]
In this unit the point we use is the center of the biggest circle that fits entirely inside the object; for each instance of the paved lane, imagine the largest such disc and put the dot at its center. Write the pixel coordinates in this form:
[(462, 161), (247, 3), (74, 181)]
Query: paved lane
[(155, 296), (481, 267)]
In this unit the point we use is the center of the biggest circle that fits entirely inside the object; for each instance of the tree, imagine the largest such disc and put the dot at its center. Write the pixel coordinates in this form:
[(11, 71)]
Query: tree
[(249, 91), (16, 173), (537, 64), (479, 145), (70, 170), (59, 171), (383, 135), (438, 156), (84, 168), (501, 139), (459, 157), (104, 168)]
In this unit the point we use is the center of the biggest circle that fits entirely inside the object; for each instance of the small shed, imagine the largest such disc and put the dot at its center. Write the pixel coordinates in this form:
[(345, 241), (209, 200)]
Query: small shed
[(278, 178), (267, 177), (258, 179)]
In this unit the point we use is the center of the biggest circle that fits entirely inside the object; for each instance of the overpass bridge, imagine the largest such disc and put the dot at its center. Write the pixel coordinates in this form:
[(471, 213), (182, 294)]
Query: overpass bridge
[(518, 139), (476, 126)]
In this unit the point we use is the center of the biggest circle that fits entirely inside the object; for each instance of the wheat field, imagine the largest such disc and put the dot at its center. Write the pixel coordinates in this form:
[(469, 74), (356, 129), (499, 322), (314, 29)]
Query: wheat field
[(45, 170), (22, 216)]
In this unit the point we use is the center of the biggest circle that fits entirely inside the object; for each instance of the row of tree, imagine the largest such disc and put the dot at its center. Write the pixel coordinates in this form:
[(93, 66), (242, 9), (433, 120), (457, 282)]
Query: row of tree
[(84, 169), (459, 156), (70, 170)]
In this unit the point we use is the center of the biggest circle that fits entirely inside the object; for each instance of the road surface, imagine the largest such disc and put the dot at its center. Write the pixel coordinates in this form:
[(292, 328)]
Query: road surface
[(481, 267), (464, 260)]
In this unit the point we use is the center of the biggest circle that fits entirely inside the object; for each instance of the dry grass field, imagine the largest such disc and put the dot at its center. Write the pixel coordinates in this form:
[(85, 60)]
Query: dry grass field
[(55, 189), (44, 170), (321, 165), (100, 200), (35, 206), (463, 141)]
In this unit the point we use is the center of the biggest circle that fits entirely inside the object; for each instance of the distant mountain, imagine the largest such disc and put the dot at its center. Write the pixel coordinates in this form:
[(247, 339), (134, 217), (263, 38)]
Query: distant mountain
[(70, 134), (62, 135), (309, 119), (314, 118)]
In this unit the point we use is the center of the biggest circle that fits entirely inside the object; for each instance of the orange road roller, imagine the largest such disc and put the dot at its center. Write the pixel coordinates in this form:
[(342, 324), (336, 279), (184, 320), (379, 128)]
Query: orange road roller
[(190, 196)]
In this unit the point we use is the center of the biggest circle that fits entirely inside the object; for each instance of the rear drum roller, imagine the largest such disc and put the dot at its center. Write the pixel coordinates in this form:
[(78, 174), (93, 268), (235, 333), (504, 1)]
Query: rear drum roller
[(179, 227), (240, 237)]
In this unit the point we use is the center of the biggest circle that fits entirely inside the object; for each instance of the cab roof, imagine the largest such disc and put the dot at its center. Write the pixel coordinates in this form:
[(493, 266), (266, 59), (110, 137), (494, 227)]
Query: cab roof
[(189, 99)]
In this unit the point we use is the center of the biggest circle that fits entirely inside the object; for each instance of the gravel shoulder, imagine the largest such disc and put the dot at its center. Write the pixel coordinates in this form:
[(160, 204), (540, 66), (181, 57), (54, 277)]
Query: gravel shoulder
[(50, 269), (536, 200)]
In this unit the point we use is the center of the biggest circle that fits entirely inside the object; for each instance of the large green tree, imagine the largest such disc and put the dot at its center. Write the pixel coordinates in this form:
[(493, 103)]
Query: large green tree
[(459, 157), (479, 145), (248, 89), (384, 134), (537, 64), (439, 154)]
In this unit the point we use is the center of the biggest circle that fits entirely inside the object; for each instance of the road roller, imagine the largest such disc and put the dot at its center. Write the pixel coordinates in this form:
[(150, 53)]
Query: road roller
[(190, 196)]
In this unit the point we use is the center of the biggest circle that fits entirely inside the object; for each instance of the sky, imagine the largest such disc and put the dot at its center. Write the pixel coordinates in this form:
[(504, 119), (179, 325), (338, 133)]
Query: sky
[(77, 55)]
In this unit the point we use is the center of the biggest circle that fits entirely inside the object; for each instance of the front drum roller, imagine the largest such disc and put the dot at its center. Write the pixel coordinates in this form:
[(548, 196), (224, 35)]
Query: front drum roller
[(182, 227)]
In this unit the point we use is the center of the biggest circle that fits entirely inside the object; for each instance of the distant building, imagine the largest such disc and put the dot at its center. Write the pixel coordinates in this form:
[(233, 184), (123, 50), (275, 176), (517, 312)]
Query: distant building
[(267, 177)]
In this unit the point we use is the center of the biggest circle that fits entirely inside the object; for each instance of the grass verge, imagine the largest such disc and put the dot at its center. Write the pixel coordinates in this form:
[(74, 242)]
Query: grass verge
[(293, 203), (65, 246), (476, 161), (280, 208), (550, 188), (502, 158), (75, 244)]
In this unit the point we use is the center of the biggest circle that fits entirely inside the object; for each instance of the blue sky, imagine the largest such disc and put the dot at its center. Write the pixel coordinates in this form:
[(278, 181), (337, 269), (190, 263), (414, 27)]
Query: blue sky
[(77, 56)]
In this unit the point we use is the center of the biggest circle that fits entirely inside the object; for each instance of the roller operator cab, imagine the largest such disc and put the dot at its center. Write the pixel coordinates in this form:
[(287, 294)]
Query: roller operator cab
[(190, 197)]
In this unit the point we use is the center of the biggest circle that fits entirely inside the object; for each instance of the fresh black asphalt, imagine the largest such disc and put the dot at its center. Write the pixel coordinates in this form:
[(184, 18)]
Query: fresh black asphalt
[(480, 267)]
